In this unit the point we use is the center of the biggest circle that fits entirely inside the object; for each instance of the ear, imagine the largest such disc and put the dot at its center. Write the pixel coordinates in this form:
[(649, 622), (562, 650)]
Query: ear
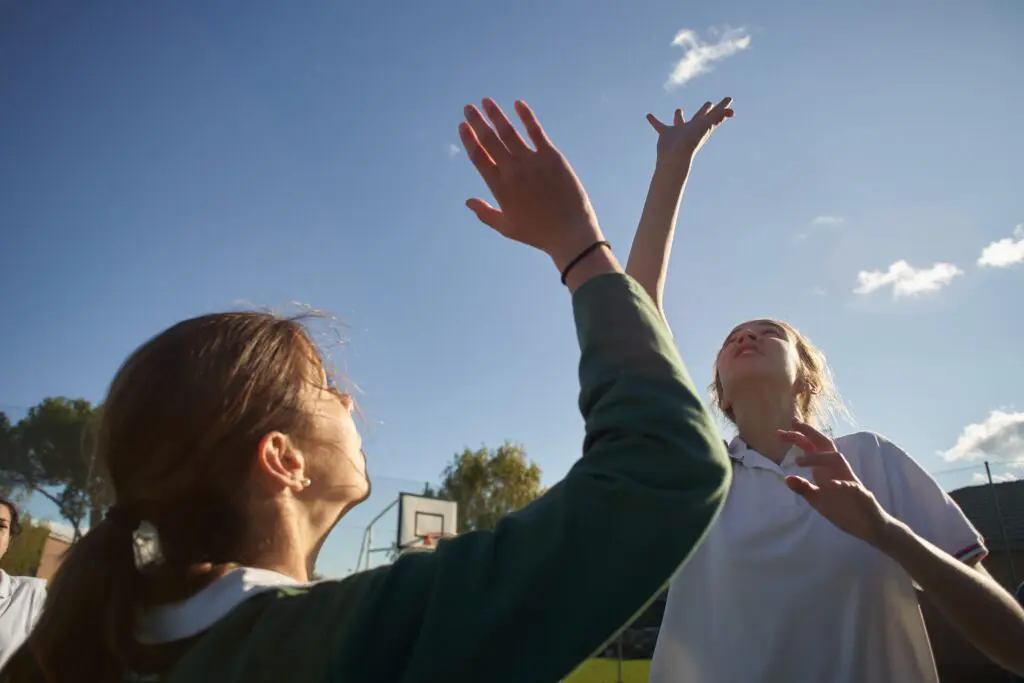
[(280, 463)]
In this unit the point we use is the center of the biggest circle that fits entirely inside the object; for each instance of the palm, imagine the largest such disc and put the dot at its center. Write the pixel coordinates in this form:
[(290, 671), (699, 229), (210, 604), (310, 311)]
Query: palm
[(682, 139), (836, 493)]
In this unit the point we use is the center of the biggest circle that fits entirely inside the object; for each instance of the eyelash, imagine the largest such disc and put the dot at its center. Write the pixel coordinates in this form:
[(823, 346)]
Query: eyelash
[(767, 331)]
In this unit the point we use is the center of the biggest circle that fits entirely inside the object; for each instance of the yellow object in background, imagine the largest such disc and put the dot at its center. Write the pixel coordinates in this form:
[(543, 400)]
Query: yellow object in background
[(607, 671)]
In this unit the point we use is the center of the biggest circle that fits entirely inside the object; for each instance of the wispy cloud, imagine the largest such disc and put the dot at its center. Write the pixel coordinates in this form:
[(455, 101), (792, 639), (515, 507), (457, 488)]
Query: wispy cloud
[(1005, 252), (979, 478), (454, 150), (822, 222), (907, 280), (827, 220), (698, 56), (998, 437)]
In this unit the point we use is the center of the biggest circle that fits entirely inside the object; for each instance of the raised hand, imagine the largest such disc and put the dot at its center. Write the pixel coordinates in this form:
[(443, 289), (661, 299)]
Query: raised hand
[(681, 140), (541, 201), (837, 494)]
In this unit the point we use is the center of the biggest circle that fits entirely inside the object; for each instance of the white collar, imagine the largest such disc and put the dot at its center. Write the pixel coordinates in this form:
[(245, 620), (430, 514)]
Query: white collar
[(742, 454), (5, 585), (181, 620)]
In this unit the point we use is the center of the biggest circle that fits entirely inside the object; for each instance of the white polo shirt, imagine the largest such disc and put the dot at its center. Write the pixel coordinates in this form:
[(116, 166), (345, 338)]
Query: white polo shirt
[(21, 602), (777, 593)]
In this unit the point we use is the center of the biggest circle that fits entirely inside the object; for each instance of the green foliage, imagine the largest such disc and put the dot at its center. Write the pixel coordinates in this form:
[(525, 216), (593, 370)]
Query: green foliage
[(49, 452), (26, 549), (488, 483)]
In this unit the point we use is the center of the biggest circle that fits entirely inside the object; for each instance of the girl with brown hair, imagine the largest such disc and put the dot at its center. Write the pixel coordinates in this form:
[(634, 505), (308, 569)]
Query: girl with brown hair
[(809, 573), (232, 457)]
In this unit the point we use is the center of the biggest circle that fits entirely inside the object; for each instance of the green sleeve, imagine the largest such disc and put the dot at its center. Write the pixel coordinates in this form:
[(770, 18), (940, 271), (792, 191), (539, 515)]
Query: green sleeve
[(558, 579)]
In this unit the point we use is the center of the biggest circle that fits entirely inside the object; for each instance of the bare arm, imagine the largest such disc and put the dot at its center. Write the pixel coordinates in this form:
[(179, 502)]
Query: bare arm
[(973, 603), (677, 145), (977, 606), (649, 255)]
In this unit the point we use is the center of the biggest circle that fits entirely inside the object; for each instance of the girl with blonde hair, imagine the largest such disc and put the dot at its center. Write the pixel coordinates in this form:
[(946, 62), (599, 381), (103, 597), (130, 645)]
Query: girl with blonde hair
[(810, 573)]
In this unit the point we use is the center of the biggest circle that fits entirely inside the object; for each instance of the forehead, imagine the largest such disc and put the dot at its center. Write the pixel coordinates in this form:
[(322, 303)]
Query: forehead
[(5, 513), (759, 324)]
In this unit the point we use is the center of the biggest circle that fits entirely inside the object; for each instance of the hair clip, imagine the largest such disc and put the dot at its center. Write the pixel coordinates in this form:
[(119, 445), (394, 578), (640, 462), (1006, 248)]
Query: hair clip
[(146, 546)]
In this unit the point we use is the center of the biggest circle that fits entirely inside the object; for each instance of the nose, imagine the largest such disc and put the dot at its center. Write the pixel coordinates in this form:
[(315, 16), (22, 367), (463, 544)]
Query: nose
[(746, 337)]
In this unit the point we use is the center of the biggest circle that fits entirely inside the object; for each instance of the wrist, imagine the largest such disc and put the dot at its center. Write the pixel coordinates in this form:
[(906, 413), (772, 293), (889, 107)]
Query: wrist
[(600, 261), (577, 239), (674, 166), (891, 536)]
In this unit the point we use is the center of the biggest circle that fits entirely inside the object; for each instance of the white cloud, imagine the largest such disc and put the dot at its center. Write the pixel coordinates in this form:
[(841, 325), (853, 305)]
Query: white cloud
[(819, 223), (827, 220), (907, 280), (980, 478), (698, 56), (1005, 252), (999, 437), (454, 150)]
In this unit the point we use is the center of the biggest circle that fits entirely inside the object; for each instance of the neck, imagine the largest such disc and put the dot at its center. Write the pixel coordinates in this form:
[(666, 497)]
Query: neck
[(292, 547), (759, 414)]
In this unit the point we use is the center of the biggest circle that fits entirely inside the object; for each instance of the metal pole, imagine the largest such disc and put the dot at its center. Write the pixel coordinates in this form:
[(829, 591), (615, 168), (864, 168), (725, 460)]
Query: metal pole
[(362, 551), (368, 533), (1002, 527), (619, 647)]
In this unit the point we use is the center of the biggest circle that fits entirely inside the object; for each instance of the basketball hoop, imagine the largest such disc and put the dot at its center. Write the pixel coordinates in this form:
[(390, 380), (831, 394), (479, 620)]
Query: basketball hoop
[(427, 543)]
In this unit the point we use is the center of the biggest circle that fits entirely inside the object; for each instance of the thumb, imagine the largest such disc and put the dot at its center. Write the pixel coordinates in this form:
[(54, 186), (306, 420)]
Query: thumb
[(487, 214), (802, 487)]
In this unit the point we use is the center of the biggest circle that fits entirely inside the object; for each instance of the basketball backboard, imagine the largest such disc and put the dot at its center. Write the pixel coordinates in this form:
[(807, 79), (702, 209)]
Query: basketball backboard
[(420, 517)]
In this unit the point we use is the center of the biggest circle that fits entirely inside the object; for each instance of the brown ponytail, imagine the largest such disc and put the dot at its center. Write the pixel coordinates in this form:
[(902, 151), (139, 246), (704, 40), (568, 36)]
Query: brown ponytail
[(178, 433)]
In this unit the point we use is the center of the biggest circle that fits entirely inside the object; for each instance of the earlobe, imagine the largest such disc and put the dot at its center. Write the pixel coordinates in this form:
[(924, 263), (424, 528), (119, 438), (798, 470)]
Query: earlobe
[(278, 459)]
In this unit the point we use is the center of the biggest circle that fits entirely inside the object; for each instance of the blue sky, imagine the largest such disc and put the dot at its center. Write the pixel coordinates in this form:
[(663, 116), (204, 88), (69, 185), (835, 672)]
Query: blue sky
[(160, 160)]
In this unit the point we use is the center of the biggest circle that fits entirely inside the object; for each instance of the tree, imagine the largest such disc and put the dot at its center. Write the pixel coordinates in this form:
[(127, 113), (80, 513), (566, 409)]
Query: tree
[(26, 549), (488, 484), (7, 483), (49, 452)]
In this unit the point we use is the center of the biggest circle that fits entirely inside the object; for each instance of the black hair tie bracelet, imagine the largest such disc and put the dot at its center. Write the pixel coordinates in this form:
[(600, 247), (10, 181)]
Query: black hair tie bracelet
[(583, 254)]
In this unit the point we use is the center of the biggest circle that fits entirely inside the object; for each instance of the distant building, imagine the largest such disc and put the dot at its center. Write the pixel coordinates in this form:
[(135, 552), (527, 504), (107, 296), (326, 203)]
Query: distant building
[(53, 550), (1002, 526)]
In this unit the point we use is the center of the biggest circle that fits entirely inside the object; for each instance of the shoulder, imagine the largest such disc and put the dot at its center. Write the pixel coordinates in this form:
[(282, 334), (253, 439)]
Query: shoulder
[(874, 457), (869, 444), (28, 585), (308, 627), (865, 440), (865, 445)]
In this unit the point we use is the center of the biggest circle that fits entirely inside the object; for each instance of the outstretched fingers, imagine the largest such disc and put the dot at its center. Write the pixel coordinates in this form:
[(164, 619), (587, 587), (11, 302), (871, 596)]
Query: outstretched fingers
[(799, 440), (488, 138), (506, 131), (533, 128), (801, 486), (479, 157), (821, 441), (657, 125)]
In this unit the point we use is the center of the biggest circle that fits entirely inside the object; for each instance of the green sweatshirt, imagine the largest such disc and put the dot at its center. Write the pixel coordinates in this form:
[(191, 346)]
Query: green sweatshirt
[(554, 582)]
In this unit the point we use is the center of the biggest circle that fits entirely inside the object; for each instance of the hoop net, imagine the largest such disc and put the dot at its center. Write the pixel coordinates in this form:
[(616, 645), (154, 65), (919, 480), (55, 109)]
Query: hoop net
[(428, 543)]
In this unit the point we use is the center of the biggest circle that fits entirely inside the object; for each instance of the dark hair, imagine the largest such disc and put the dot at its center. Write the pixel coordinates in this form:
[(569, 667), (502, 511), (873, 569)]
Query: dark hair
[(179, 428), (15, 517)]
